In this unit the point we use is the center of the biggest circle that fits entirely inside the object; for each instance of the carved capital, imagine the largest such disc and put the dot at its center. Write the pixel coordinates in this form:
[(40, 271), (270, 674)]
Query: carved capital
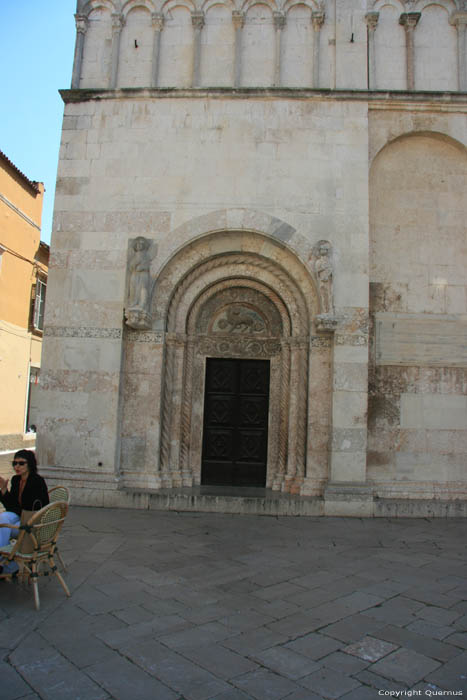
[(279, 20), (81, 22), (197, 20), (157, 21), (238, 19), (317, 19), (371, 19), (409, 20), (458, 18), (118, 22)]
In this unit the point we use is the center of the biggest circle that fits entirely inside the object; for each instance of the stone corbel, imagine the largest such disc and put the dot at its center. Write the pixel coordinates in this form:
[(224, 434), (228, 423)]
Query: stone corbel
[(326, 323)]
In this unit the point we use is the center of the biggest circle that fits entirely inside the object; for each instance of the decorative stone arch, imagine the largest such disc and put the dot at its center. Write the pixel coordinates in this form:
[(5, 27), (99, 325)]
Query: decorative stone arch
[(134, 4), (209, 4), (172, 4), (249, 4), (448, 5), (234, 294), (310, 4), (92, 5), (438, 135), (379, 4)]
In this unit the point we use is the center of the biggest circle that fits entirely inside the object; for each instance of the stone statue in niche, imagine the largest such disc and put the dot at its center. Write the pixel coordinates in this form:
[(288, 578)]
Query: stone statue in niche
[(139, 285), (324, 272)]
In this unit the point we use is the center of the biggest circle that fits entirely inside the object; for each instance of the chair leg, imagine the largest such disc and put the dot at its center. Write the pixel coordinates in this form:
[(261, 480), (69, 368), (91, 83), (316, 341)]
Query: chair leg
[(62, 563), (35, 585), (57, 573)]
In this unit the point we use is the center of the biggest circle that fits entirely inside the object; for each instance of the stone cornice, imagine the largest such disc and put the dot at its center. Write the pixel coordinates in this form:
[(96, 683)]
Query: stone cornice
[(377, 99)]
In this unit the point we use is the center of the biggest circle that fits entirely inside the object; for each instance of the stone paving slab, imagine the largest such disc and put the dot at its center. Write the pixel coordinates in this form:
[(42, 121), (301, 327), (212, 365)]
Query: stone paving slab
[(172, 606)]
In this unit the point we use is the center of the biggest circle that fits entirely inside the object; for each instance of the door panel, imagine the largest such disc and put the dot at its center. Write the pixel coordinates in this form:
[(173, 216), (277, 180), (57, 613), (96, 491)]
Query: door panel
[(235, 433)]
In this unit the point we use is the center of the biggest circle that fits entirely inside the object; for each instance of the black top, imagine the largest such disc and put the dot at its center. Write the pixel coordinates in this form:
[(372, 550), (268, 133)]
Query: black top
[(35, 494)]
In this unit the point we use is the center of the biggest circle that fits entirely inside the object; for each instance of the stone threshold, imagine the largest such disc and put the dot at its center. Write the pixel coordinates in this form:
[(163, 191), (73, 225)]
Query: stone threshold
[(232, 500)]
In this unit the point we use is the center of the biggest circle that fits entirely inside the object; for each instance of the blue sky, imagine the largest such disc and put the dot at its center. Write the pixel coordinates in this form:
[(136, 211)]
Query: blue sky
[(37, 42)]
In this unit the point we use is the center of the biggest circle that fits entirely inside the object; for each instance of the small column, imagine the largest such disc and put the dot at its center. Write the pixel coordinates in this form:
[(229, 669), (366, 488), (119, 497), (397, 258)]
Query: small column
[(371, 19), (158, 25), (81, 27), (117, 25), (197, 19), (238, 19), (409, 21), (459, 20), (317, 19), (279, 24)]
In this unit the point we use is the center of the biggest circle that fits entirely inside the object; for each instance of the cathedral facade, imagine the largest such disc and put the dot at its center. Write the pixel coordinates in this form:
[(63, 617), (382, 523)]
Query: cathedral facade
[(258, 271)]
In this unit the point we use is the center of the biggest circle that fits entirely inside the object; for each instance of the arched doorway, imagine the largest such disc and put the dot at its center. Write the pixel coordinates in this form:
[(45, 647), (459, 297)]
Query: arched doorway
[(244, 301)]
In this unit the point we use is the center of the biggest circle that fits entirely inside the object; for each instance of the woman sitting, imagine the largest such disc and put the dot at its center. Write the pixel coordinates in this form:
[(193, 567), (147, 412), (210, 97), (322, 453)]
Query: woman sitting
[(28, 492)]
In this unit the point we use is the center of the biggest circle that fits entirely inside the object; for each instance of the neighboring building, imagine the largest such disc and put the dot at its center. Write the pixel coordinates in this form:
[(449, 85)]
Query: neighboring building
[(23, 283), (259, 256)]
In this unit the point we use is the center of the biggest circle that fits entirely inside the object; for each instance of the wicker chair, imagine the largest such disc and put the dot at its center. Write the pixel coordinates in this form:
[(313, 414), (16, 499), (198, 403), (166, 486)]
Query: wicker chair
[(41, 534), (60, 493)]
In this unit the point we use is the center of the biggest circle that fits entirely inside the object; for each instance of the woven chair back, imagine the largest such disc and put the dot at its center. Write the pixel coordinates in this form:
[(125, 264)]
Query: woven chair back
[(45, 524), (59, 493)]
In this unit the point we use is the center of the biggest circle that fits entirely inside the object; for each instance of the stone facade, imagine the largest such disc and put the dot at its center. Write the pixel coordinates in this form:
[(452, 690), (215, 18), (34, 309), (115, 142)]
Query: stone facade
[(283, 183)]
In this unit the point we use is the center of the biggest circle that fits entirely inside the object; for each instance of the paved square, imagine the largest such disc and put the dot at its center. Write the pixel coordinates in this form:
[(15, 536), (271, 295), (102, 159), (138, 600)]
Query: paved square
[(174, 606)]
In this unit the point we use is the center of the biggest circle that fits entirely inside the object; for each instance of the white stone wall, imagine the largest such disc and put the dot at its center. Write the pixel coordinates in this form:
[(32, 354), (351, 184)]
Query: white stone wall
[(418, 258), (131, 168), (265, 44)]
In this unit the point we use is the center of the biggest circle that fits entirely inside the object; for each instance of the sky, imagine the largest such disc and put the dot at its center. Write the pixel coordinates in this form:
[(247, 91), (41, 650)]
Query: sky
[(37, 41)]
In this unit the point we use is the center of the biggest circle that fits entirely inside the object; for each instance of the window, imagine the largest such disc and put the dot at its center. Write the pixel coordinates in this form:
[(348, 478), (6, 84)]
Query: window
[(39, 305)]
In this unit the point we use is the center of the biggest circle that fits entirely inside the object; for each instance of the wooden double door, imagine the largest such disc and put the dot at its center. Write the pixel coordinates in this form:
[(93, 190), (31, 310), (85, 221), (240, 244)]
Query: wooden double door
[(236, 408)]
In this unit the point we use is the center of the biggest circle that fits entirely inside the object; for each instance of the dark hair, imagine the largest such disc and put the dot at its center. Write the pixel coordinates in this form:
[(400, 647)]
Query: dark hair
[(30, 458)]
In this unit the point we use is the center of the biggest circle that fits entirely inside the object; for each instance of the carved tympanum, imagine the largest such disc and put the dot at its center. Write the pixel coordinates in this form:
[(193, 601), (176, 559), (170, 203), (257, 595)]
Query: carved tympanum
[(237, 318)]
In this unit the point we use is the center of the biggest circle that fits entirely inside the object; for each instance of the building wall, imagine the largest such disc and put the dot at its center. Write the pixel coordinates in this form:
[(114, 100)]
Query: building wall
[(342, 44), (20, 220), (237, 187)]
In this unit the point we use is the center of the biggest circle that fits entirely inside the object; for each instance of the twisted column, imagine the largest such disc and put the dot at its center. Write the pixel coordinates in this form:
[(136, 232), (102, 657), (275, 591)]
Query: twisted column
[(279, 477), (238, 19), (371, 19), (279, 24), (118, 22), (317, 20), (302, 414), (186, 414), (197, 19), (409, 21), (166, 414), (81, 27), (158, 25)]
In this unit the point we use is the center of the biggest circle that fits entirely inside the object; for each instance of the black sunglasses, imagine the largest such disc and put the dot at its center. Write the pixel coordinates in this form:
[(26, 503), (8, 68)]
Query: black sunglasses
[(18, 461)]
